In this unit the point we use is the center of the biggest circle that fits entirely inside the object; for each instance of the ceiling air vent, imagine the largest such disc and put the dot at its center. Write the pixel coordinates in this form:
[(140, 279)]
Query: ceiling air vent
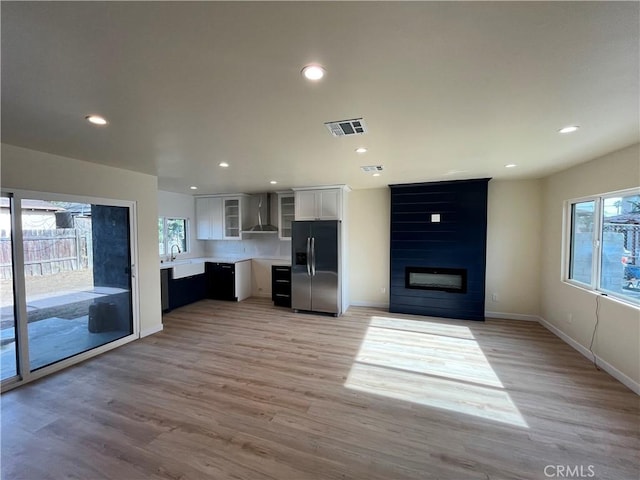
[(371, 168), (343, 128)]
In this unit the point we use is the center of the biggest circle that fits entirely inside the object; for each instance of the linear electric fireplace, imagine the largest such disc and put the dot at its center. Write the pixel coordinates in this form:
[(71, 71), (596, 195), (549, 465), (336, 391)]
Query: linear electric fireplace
[(452, 280), (438, 248)]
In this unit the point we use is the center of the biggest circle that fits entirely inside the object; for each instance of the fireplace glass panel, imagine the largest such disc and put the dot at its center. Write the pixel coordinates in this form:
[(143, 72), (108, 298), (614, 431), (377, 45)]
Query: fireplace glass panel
[(443, 279)]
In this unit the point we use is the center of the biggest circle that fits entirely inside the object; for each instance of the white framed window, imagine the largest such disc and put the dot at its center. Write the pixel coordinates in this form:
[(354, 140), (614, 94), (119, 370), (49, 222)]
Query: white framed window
[(172, 236), (603, 244)]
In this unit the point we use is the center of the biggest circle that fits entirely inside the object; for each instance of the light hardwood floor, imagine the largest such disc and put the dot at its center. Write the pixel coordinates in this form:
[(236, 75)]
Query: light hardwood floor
[(251, 391)]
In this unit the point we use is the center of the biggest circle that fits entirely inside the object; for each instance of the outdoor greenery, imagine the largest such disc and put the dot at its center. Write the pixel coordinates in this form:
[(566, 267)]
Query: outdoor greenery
[(172, 232)]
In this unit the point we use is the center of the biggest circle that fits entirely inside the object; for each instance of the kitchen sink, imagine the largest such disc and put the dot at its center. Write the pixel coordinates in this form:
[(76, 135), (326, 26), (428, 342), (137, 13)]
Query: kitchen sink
[(186, 268)]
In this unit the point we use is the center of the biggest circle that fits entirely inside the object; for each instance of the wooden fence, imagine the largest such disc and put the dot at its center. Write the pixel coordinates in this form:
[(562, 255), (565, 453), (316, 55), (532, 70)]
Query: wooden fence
[(47, 252)]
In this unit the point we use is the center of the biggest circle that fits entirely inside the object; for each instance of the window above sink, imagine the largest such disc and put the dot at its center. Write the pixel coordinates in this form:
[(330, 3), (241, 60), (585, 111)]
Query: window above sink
[(172, 236)]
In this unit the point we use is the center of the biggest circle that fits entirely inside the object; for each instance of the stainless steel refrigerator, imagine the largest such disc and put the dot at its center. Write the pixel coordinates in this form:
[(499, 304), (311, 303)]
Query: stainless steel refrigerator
[(315, 266)]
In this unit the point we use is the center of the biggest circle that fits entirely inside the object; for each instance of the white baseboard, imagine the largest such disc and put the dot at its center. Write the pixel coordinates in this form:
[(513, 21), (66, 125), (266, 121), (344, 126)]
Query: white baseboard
[(567, 339), (151, 331), (512, 316), (603, 364), (618, 375)]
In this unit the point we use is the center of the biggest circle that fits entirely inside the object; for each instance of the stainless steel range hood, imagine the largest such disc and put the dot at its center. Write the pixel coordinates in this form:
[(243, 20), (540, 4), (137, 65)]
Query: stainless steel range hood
[(264, 203)]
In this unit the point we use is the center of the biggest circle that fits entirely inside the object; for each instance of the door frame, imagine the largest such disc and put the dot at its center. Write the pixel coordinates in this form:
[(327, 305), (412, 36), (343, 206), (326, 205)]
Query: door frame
[(24, 374)]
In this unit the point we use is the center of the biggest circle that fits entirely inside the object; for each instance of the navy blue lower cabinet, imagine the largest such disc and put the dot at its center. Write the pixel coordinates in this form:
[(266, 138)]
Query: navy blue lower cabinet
[(183, 291), (438, 244)]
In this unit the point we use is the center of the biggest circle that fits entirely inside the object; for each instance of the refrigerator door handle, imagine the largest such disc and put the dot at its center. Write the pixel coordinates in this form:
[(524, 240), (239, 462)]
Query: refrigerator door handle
[(313, 256), (309, 256)]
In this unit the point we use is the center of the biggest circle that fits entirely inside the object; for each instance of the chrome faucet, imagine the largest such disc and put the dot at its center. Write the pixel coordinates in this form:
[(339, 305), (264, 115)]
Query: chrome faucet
[(173, 257)]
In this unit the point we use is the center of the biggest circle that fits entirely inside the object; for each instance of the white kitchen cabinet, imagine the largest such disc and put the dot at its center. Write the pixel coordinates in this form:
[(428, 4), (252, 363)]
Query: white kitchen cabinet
[(320, 203), (209, 218), (243, 279), (232, 218), (220, 217), (305, 205), (286, 214)]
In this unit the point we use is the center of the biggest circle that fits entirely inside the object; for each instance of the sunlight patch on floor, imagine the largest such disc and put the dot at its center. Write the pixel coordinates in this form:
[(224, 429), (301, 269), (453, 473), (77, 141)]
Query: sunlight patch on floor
[(432, 364)]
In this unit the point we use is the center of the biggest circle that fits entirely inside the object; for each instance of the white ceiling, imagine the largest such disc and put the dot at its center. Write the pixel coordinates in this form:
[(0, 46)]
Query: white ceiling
[(448, 90)]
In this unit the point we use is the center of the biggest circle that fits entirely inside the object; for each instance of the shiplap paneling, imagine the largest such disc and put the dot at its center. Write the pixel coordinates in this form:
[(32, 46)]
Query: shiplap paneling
[(459, 240)]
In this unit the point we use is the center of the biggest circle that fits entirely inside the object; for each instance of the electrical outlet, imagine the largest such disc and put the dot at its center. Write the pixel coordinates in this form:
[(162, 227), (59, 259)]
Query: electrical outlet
[(383, 289), (569, 317), (494, 297)]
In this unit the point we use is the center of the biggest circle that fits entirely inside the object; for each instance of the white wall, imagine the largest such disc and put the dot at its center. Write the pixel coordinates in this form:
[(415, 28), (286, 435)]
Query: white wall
[(368, 248), (618, 338), (513, 248), (31, 170), (345, 240), (179, 205)]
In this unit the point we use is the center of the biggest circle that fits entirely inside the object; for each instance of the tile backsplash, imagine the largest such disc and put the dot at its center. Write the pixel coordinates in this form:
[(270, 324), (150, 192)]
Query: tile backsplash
[(261, 246)]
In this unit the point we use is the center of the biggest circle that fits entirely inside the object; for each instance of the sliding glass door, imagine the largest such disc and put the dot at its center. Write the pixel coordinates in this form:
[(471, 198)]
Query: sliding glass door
[(8, 350), (75, 265)]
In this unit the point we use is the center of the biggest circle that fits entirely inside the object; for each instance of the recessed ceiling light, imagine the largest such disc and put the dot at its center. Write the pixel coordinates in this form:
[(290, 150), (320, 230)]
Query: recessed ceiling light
[(193, 187), (273, 182), (223, 164), (376, 174), (569, 129), (313, 72), (510, 165), (96, 119), (361, 150)]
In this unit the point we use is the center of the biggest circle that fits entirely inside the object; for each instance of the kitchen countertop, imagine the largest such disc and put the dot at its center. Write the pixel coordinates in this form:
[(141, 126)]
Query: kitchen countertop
[(226, 259)]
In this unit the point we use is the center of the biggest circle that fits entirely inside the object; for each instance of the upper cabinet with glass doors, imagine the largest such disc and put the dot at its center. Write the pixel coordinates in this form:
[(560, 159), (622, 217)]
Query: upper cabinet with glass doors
[(221, 217), (232, 218), (286, 214)]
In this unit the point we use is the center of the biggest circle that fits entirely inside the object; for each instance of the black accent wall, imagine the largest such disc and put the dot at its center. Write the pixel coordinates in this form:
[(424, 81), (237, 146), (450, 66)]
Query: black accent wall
[(111, 257), (459, 240), (112, 261)]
